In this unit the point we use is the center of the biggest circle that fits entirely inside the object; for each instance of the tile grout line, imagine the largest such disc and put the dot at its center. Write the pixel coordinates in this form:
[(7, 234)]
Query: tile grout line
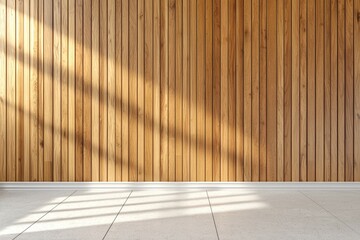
[(213, 217), (44, 215), (117, 215), (330, 213)]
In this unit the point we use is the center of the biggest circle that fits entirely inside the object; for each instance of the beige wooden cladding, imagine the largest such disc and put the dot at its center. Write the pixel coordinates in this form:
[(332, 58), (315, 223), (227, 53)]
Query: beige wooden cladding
[(179, 90)]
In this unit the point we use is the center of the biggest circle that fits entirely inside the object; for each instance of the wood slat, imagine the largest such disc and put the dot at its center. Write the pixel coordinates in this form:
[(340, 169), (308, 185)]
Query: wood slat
[(271, 91), (87, 91), (3, 80)]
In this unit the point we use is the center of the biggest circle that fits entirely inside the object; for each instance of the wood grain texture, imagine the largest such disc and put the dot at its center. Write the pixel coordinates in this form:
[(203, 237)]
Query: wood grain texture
[(179, 90)]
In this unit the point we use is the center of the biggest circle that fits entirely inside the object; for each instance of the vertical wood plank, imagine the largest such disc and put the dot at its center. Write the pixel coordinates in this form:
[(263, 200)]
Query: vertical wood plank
[(295, 113), (209, 90), (349, 90), (303, 89), (341, 90), (224, 91), (140, 91), (125, 90), (87, 115), (156, 93), (247, 90), (34, 87), (95, 92), (19, 119), (103, 93), (64, 92), (118, 104), (79, 79), (239, 89), (262, 90), (255, 90), (71, 88), (57, 91), (319, 51), (164, 97), (216, 86), (3, 82), (327, 92), (200, 92), (178, 91), (48, 88), (186, 90), (172, 76), (356, 90), (232, 91), (287, 90), (26, 110), (311, 92), (271, 91), (280, 90), (111, 97), (133, 91), (10, 90), (149, 60), (334, 93)]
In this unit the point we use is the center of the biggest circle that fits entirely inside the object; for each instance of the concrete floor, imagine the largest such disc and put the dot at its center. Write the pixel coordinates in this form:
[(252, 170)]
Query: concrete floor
[(180, 214)]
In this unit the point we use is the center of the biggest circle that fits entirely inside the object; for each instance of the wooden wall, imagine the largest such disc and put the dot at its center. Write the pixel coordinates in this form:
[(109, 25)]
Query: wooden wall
[(179, 90)]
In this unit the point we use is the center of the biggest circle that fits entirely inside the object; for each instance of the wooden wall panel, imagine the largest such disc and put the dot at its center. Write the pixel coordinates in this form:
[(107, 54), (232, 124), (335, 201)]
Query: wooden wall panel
[(179, 90)]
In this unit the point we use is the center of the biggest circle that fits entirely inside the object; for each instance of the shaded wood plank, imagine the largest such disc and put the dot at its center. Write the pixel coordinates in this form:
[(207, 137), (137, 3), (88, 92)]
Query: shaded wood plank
[(341, 90), (125, 90), (216, 87), (327, 92), (19, 86), (239, 89), (334, 93), (271, 91), (64, 92), (111, 84), (71, 87), (232, 92), (311, 92), (255, 90), (103, 145), (118, 94), (164, 97), (319, 92), (356, 90), (224, 91), (48, 88), (186, 90), (303, 90), (349, 90), (133, 91), (178, 91), (140, 91), (34, 87), (95, 93), (280, 91), (172, 82), (262, 90), (3, 100), (56, 108), (156, 92), (149, 61)]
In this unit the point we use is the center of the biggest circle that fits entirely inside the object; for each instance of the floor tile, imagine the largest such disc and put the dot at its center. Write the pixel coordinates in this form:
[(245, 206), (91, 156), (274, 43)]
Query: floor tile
[(273, 215), (165, 215), (84, 215), (20, 208)]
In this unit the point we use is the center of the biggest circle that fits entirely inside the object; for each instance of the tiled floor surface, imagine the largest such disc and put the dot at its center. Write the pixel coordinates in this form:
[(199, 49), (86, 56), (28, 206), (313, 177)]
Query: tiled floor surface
[(179, 214)]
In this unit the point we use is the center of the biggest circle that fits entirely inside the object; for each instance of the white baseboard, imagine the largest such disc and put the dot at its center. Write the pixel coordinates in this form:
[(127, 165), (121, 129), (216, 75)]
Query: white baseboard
[(181, 185)]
